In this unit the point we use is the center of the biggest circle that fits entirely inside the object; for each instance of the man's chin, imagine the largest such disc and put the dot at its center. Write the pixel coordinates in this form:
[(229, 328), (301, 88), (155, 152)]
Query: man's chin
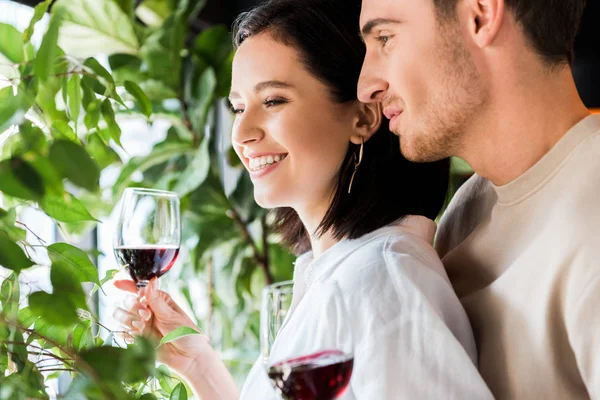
[(413, 151)]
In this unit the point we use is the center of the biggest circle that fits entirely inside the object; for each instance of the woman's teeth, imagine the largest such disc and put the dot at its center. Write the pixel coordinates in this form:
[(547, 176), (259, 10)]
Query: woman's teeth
[(258, 163)]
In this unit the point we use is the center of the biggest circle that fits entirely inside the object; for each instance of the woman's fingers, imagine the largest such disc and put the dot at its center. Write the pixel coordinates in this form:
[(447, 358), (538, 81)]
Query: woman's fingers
[(133, 305), (129, 321), (127, 285)]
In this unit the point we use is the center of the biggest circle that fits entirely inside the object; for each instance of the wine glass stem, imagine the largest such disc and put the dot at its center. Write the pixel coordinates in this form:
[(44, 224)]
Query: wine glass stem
[(141, 284)]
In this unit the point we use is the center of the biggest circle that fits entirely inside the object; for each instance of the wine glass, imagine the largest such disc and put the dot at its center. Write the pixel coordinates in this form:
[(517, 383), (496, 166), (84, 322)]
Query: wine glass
[(301, 366), (148, 233)]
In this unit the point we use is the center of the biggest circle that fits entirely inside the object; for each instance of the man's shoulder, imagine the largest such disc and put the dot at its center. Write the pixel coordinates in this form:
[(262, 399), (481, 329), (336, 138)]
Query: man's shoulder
[(471, 203)]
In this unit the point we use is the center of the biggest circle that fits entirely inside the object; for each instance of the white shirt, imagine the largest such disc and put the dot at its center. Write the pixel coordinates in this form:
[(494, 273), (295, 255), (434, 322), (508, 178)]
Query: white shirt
[(410, 334)]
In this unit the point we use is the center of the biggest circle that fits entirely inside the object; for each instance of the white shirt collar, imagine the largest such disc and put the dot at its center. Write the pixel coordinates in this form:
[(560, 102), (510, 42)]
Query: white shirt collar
[(307, 269)]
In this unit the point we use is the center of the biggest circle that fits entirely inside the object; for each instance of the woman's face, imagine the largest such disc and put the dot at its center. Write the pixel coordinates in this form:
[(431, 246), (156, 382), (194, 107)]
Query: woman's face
[(289, 133)]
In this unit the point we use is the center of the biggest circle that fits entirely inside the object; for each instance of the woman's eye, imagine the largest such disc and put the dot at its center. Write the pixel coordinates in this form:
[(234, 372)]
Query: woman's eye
[(235, 110), (273, 102)]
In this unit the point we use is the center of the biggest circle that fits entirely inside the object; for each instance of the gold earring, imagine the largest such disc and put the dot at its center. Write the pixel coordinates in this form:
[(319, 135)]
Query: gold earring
[(357, 164)]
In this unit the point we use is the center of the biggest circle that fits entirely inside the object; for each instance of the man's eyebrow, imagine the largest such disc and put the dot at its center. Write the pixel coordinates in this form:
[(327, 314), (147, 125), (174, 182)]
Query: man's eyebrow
[(266, 85), (372, 24)]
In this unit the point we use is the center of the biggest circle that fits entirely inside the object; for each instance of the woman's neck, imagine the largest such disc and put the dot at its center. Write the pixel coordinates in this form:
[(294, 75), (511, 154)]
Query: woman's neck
[(322, 243), (311, 217)]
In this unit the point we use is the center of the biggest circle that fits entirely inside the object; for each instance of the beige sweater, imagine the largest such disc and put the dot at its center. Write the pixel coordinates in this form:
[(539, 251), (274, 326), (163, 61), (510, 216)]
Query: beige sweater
[(524, 259)]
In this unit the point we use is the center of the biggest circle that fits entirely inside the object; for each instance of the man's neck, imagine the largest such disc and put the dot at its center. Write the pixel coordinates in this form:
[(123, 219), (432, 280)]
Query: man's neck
[(523, 123)]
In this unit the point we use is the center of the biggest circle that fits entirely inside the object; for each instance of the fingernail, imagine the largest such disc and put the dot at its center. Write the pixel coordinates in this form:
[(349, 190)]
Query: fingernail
[(130, 301), (145, 314), (137, 324)]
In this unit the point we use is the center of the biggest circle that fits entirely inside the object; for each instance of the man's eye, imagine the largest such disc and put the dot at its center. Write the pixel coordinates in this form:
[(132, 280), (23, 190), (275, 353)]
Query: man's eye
[(383, 39)]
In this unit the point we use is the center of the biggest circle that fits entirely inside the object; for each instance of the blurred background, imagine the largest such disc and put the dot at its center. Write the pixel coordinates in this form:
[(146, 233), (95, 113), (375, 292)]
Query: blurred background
[(229, 256)]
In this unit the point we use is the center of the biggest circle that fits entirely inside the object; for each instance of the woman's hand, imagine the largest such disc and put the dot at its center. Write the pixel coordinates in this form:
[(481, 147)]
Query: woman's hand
[(191, 356), (154, 313)]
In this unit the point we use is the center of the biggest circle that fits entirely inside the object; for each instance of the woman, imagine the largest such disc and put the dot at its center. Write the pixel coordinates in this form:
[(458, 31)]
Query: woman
[(347, 200)]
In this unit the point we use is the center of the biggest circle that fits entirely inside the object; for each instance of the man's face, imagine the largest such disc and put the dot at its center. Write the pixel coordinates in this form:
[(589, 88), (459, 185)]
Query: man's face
[(418, 66)]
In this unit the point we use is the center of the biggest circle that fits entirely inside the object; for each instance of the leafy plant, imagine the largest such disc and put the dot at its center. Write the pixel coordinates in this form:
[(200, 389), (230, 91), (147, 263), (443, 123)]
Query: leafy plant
[(61, 112)]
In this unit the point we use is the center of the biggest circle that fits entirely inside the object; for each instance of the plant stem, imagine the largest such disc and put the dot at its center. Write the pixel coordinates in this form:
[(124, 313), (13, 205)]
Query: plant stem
[(258, 257), (265, 240), (57, 369), (209, 273), (42, 241)]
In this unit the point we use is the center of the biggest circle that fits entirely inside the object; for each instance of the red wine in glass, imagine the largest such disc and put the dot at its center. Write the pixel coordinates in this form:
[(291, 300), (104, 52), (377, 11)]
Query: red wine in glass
[(146, 262), (148, 233), (321, 376)]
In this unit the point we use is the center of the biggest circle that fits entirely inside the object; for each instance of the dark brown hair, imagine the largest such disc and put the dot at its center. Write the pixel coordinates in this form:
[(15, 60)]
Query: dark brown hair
[(386, 187), (549, 25)]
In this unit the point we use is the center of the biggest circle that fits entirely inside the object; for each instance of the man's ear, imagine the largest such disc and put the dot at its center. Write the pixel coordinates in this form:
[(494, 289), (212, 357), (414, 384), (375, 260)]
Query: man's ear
[(369, 117), (484, 19)]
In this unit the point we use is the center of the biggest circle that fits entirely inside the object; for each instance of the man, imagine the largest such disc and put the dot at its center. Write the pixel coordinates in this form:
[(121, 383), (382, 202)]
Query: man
[(490, 81)]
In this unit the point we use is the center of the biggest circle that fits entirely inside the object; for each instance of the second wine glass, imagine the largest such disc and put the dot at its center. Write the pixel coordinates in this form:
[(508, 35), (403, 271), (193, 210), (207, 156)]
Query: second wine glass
[(148, 233), (311, 367)]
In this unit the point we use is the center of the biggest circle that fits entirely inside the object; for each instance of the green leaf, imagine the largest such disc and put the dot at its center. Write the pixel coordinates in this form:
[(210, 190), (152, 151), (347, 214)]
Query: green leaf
[(214, 45), (109, 117), (88, 95), (164, 378), (243, 201), (33, 137), (110, 274), (12, 108), (179, 393), (157, 156), (19, 179), (8, 228), (76, 260), (26, 317), (103, 155), (67, 284), (11, 45), (74, 97), (75, 164), (38, 14), (196, 172), (52, 180), (154, 12), (140, 97), (202, 94), (27, 175), (66, 208), (49, 51), (108, 87), (224, 77), (93, 27), (92, 115), (10, 293), (233, 159), (55, 309), (127, 7), (178, 333), (62, 130), (162, 50), (80, 335), (460, 166), (113, 364), (157, 91), (98, 69), (56, 333)]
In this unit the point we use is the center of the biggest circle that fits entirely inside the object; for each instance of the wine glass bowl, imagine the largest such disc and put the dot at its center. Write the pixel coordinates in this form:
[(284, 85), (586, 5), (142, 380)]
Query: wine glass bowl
[(300, 366), (148, 233)]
